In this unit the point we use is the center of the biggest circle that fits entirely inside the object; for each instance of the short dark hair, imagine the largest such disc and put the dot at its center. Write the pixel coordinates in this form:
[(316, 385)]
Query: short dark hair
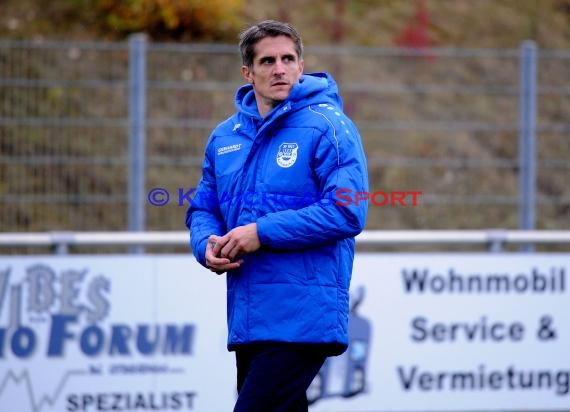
[(268, 28)]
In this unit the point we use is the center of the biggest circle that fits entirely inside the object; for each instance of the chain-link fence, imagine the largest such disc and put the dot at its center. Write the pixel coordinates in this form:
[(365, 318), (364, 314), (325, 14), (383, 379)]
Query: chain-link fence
[(445, 122)]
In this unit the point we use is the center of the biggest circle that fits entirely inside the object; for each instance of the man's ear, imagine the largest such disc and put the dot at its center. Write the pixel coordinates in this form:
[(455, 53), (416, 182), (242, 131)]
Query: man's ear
[(302, 65), (246, 73)]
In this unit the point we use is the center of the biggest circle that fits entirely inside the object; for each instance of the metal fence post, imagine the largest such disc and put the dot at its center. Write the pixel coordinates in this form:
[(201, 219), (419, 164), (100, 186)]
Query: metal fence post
[(137, 135), (527, 137)]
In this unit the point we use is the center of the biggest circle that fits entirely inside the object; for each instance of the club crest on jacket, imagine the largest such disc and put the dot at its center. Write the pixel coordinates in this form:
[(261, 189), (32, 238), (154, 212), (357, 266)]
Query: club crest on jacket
[(287, 154)]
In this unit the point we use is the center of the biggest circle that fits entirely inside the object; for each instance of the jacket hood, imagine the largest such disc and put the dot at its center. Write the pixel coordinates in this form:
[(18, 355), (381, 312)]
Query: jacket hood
[(312, 88)]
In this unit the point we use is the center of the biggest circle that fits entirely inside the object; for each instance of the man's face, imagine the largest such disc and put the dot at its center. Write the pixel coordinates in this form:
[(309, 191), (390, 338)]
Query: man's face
[(276, 68)]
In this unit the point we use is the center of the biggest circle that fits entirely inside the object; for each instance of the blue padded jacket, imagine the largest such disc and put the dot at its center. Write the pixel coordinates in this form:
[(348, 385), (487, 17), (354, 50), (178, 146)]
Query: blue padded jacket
[(283, 172)]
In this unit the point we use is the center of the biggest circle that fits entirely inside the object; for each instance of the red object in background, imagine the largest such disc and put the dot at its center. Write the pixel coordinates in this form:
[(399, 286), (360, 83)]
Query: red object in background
[(415, 34)]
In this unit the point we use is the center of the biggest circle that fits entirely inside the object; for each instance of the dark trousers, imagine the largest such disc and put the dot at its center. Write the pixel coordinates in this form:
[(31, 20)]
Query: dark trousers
[(274, 377)]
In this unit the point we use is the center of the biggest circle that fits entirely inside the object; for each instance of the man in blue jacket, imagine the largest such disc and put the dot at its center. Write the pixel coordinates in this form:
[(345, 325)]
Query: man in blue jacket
[(265, 212)]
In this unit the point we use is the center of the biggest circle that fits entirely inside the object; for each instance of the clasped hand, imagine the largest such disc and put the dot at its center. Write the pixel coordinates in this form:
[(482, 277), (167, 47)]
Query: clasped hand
[(224, 253)]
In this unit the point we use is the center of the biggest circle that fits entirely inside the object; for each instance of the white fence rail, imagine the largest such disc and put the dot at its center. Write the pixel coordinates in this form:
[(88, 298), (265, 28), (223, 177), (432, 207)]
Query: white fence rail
[(494, 239)]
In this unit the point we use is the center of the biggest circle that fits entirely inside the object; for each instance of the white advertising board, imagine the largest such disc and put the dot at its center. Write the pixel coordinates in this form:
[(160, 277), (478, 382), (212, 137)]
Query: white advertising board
[(461, 332), (112, 333), (147, 333)]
